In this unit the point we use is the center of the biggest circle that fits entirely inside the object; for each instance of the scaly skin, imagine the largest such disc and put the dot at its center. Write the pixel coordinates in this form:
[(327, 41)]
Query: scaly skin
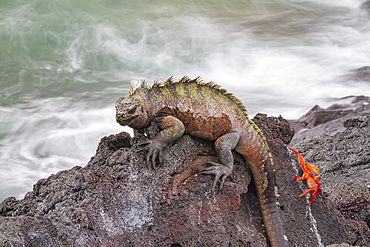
[(206, 111)]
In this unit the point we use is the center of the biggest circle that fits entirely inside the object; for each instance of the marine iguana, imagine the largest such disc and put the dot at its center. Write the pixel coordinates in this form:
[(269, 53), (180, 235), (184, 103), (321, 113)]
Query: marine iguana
[(207, 111)]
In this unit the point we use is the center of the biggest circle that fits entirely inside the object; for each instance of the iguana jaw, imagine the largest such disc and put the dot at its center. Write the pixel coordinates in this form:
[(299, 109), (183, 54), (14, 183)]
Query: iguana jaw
[(122, 120), (127, 110)]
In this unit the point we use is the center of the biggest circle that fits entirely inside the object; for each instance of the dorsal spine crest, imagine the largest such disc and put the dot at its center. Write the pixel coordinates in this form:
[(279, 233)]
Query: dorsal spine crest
[(137, 84)]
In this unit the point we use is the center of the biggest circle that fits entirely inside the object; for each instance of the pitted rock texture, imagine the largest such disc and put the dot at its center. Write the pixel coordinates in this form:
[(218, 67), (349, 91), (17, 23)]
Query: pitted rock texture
[(117, 200)]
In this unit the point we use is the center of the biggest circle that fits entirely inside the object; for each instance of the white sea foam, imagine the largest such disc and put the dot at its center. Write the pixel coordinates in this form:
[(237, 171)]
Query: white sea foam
[(48, 140)]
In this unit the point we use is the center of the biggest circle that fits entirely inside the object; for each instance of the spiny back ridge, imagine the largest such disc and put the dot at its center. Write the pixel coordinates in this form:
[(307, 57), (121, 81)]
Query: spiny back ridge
[(136, 84)]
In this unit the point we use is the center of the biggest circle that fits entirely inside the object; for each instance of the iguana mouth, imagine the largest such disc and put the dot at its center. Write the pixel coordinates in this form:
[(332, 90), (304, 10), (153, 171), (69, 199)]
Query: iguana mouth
[(124, 119)]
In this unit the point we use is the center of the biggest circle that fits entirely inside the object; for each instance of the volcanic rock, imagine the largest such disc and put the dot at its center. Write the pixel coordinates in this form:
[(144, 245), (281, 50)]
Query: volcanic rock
[(117, 200)]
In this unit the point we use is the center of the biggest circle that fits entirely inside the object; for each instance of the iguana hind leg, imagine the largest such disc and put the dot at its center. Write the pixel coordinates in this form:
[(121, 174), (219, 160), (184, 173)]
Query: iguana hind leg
[(223, 169)]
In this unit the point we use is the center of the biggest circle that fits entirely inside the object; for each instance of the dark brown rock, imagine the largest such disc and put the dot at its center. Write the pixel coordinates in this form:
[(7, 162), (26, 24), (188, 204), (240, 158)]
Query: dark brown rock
[(277, 128), (116, 200)]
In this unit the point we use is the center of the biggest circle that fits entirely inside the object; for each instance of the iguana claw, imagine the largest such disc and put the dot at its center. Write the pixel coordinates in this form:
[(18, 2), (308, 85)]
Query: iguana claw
[(220, 171), (155, 150)]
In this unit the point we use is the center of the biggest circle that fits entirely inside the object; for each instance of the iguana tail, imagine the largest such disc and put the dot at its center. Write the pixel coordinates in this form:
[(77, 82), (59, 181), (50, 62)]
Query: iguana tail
[(256, 152), (267, 194)]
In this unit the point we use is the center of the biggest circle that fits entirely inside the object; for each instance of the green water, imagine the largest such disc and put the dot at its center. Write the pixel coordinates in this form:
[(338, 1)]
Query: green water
[(63, 64)]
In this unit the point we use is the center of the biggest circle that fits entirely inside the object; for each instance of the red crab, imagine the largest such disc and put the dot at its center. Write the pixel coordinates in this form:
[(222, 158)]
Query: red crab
[(310, 173)]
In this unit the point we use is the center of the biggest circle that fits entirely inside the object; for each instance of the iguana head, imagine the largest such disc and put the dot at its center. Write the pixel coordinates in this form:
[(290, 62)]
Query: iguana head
[(129, 112)]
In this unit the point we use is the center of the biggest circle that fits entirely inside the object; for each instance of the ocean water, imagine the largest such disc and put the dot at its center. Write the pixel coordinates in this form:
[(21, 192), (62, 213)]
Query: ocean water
[(63, 64)]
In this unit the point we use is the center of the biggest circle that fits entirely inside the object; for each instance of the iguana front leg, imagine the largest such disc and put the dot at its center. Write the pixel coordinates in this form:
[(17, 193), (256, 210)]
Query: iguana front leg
[(172, 129), (222, 170)]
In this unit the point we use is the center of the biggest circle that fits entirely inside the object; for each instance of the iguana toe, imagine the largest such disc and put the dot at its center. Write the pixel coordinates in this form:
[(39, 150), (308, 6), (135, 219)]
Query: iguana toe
[(220, 171), (155, 151)]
